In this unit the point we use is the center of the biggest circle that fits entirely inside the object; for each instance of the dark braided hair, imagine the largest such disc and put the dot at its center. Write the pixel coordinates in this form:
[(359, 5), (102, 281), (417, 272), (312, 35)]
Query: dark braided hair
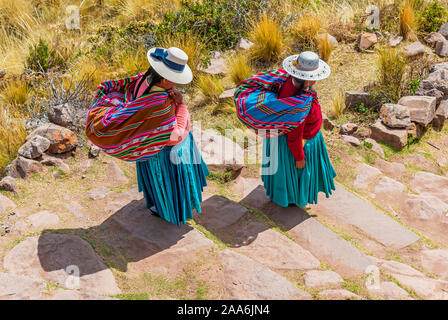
[(301, 83), (155, 78)]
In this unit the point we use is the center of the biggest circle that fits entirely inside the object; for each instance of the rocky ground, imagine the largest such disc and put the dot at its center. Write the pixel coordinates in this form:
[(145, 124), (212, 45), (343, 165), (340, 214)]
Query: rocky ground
[(79, 229)]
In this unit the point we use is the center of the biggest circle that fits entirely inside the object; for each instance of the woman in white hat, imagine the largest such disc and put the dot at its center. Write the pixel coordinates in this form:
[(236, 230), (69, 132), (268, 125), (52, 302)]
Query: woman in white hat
[(303, 168), (172, 180)]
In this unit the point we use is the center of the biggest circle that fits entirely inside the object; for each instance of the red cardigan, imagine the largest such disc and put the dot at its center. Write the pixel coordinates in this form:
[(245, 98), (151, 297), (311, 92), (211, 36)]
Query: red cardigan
[(308, 128)]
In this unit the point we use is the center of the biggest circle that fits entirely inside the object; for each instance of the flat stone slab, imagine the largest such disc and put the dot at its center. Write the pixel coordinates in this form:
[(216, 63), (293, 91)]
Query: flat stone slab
[(318, 278), (62, 294), (98, 193), (390, 291), (247, 279), (219, 212), (64, 259), (339, 294), (273, 249), (436, 262), (347, 208), (427, 288), (43, 219), (323, 243), (15, 287)]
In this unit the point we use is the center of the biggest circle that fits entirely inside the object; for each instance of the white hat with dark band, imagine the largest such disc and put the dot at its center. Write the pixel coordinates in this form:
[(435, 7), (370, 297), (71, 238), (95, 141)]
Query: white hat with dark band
[(171, 64), (306, 66)]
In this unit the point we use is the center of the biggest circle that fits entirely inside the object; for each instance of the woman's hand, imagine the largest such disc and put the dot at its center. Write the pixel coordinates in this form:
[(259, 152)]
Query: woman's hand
[(300, 164), (176, 95)]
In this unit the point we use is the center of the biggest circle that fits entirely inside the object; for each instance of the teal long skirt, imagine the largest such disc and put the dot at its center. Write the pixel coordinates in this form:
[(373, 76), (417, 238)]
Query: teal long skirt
[(173, 181), (285, 184)]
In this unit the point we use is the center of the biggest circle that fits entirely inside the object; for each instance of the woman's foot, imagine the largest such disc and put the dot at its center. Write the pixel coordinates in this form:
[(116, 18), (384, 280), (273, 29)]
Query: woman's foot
[(153, 211)]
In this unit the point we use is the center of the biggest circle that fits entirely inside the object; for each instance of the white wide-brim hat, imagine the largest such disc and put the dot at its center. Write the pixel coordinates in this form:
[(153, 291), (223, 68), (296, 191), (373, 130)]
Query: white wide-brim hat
[(306, 66), (171, 64)]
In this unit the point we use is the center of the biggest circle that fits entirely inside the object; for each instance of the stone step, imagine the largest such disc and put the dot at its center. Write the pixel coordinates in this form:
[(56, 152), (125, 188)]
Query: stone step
[(312, 235), (246, 279), (237, 228), (347, 208)]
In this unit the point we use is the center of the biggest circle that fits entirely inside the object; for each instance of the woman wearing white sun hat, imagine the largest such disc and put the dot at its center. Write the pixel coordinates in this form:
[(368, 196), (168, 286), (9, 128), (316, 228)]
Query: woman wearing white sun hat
[(173, 180), (296, 167)]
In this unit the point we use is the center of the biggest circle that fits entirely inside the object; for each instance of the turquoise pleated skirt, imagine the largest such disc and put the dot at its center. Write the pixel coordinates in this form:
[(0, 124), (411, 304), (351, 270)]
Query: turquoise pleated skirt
[(173, 181), (285, 184)]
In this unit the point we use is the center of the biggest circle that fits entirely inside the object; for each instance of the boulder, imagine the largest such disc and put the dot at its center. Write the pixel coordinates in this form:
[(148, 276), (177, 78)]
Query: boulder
[(61, 139), (395, 40), (414, 49), (433, 38), (422, 108), (62, 115), (8, 184), (55, 162), (443, 30), (395, 115), (396, 138), (219, 152), (442, 48), (218, 65), (441, 115), (348, 128), (25, 167), (327, 123), (350, 140), (436, 83), (353, 98), (317, 278), (244, 44), (367, 40), (34, 147), (11, 170)]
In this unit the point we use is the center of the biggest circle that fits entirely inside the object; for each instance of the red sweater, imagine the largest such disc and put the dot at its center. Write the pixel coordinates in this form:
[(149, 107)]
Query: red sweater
[(308, 128)]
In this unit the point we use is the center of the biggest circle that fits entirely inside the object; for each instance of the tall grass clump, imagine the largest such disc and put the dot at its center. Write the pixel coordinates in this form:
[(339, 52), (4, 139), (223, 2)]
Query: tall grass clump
[(267, 36), (239, 68), (408, 20), (16, 15), (15, 93), (306, 29), (193, 46), (391, 65), (325, 46), (338, 104), (210, 87), (12, 136)]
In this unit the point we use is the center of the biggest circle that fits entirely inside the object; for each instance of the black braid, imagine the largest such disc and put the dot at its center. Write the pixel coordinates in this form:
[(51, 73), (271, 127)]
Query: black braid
[(155, 78)]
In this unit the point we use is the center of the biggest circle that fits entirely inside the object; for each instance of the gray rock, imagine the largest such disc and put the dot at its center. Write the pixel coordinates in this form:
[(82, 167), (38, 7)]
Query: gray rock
[(433, 38), (34, 147), (426, 182), (444, 30), (422, 108), (62, 139), (395, 40), (397, 138), (331, 40), (436, 262), (367, 40), (55, 162), (442, 48), (316, 278), (6, 204), (94, 151), (425, 206), (8, 184), (216, 66), (25, 167), (244, 44), (427, 288), (227, 94), (395, 115), (98, 193), (436, 83), (350, 140), (61, 294), (63, 259), (327, 123), (11, 170), (441, 115), (14, 287), (365, 175), (62, 115), (414, 49), (392, 169), (390, 291), (353, 98), (339, 294), (348, 128)]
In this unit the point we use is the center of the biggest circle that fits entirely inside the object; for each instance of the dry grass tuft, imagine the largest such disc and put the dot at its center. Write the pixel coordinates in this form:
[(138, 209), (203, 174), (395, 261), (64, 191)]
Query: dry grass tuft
[(240, 68), (210, 87), (391, 65), (306, 29), (268, 39), (324, 46), (12, 135), (408, 20), (338, 104), (15, 93)]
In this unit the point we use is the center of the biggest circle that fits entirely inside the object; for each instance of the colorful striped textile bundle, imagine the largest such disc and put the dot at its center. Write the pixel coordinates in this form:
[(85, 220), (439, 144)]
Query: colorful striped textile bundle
[(259, 109), (127, 128)]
